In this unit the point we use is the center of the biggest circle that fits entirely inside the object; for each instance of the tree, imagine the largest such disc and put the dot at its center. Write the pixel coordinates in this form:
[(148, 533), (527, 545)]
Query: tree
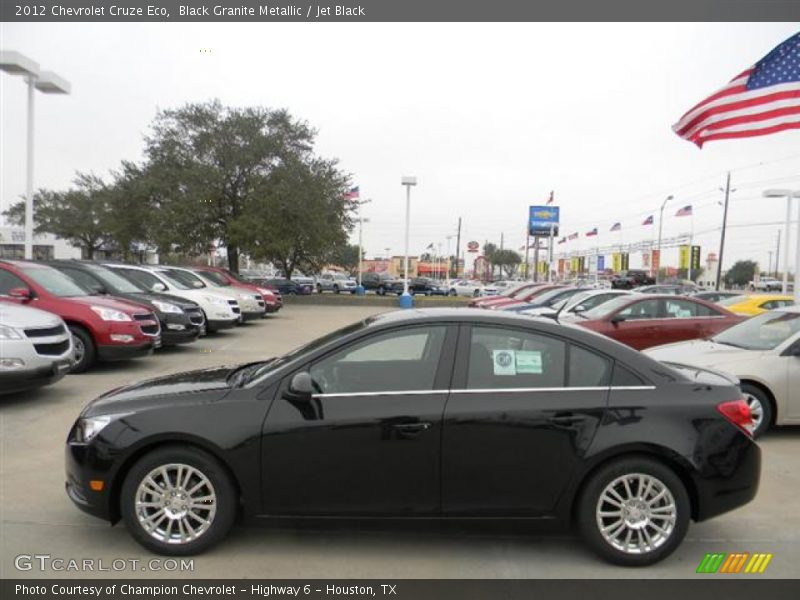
[(207, 163), (297, 217), (741, 273), (80, 216), (507, 260), (345, 256)]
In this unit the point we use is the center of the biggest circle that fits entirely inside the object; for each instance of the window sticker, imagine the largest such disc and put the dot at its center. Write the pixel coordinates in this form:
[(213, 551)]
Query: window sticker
[(504, 363), (529, 361)]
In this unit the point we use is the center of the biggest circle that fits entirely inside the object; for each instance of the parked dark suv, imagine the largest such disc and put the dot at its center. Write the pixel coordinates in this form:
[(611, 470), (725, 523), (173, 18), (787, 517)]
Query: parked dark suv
[(377, 282), (627, 280), (181, 320), (419, 286)]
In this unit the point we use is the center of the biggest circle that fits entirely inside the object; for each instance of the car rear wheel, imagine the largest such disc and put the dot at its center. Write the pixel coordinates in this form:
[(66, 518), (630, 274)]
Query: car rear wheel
[(178, 501), (85, 351), (476, 293), (760, 408), (634, 511), (336, 289)]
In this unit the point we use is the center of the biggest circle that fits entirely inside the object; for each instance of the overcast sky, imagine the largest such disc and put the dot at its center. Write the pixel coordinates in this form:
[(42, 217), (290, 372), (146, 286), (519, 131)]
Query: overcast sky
[(489, 117)]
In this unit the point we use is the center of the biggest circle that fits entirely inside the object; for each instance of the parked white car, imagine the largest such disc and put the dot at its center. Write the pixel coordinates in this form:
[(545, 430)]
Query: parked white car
[(763, 352), (766, 284), (221, 312), (336, 283), (251, 303), (36, 348), (580, 302), (472, 289)]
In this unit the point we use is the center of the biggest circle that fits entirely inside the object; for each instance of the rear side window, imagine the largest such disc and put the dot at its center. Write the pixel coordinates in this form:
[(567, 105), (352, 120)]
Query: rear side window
[(588, 369), (624, 377)]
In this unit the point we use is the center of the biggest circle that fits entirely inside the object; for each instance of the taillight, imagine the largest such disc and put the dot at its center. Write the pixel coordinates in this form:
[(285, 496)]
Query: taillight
[(738, 413)]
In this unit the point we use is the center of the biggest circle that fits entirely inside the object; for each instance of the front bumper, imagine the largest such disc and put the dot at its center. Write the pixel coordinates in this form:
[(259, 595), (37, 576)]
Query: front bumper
[(178, 329), (217, 325), (120, 352), (78, 474), (19, 381)]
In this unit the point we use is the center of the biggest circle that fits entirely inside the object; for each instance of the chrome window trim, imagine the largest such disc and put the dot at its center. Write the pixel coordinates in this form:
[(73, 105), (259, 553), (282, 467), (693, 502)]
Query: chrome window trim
[(489, 391)]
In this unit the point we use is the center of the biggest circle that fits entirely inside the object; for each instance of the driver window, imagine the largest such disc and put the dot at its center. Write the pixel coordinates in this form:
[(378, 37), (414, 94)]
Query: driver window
[(646, 309), (396, 361)]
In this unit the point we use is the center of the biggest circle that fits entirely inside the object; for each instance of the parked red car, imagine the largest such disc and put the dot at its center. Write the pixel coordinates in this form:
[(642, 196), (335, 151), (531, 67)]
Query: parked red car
[(642, 321), (515, 293), (220, 276), (103, 328), (526, 299)]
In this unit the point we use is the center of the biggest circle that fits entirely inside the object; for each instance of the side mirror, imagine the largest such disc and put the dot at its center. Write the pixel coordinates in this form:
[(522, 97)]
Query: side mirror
[(302, 386), (579, 309), (617, 319), (21, 293), (98, 289), (158, 287)]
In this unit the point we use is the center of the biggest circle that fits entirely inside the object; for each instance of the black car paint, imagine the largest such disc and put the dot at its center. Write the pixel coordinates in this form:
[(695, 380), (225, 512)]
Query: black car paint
[(350, 456)]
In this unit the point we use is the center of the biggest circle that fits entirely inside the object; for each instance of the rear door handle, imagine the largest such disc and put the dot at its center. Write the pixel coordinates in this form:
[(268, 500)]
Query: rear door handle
[(412, 427), (567, 419)]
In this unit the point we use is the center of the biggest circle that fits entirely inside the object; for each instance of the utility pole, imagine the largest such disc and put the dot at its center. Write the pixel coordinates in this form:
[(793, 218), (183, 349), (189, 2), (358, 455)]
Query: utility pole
[(536, 258), (527, 253), (724, 225), (777, 253), (458, 245), (769, 262)]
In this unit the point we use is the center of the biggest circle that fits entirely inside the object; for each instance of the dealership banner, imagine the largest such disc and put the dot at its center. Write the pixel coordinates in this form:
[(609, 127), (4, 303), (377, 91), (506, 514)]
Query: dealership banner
[(706, 585)]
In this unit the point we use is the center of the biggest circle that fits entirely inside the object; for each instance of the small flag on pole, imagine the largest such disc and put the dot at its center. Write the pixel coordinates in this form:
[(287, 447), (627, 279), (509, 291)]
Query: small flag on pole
[(648, 220), (761, 100), (686, 211), (573, 236), (429, 246), (591, 233), (616, 226), (563, 240), (551, 199), (352, 194)]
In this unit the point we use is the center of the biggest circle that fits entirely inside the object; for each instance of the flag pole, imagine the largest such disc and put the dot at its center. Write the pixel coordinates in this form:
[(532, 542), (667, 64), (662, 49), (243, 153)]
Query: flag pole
[(724, 225)]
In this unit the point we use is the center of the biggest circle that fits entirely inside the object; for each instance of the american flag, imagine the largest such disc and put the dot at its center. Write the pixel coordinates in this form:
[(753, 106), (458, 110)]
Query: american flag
[(763, 99), (616, 226), (352, 194), (550, 199), (648, 220), (592, 232), (563, 240), (686, 211), (573, 236)]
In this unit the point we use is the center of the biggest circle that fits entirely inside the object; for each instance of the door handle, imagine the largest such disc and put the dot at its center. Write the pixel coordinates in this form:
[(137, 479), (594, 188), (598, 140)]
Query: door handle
[(566, 419), (412, 427)]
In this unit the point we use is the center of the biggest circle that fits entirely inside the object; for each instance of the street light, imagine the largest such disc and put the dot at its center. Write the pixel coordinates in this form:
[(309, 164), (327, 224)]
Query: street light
[(405, 299), (360, 287), (789, 194), (660, 228), (46, 82)]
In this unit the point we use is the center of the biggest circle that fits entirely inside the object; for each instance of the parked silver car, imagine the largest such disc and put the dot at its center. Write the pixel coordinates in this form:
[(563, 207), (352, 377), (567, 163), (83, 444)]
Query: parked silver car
[(336, 282), (36, 348)]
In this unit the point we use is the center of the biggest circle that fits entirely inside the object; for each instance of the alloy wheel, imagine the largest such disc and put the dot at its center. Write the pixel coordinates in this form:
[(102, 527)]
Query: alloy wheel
[(756, 410), (175, 503), (80, 349), (636, 513)]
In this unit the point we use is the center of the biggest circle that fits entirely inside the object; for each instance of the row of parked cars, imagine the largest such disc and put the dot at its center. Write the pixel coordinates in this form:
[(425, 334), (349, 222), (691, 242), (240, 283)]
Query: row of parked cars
[(65, 315), (756, 338)]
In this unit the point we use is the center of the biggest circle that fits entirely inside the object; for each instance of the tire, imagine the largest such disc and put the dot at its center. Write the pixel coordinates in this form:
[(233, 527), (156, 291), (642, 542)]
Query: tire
[(476, 294), (760, 406), (633, 551), (85, 350), (319, 289), (452, 292), (336, 289), (211, 525)]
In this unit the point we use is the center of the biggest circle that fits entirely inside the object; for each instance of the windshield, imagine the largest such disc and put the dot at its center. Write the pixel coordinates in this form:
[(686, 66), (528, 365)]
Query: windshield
[(216, 277), (551, 296), (606, 308), (114, 282), (188, 280), (766, 331), (54, 281), (732, 300)]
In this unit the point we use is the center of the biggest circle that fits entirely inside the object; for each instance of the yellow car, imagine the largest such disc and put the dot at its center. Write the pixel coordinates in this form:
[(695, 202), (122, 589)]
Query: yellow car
[(756, 304)]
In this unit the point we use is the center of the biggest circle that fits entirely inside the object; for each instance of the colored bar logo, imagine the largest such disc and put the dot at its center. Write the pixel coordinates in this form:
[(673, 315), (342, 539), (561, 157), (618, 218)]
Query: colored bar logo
[(734, 563)]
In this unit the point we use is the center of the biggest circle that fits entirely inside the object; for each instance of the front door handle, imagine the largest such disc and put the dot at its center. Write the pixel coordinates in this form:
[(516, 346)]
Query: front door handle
[(566, 419), (412, 427)]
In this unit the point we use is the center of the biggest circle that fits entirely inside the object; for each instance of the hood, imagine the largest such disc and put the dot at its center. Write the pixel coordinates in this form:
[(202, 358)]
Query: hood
[(699, 352), (180, 387), (126, 306), (145, 298), (14, 315)]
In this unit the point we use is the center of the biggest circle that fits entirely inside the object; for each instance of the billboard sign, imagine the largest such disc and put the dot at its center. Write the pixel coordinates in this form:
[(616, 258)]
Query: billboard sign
[(473, 246), (695, 259), (542, 220)]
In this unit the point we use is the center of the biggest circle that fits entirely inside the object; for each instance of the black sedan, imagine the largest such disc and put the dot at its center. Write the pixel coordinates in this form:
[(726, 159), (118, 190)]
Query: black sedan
[(286, 287), (422, 286), (414, 414)]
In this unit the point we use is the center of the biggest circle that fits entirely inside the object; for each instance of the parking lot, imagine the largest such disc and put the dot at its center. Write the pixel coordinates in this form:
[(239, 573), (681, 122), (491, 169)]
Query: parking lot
[(38, 519)]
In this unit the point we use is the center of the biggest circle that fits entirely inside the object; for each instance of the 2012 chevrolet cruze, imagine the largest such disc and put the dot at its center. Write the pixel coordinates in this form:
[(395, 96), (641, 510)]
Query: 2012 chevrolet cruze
[(427, 413)]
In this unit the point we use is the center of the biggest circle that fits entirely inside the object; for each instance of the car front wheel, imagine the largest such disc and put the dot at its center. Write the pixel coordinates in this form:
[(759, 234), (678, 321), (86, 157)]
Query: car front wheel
[(85, 351), (178, 501), (634, 511)]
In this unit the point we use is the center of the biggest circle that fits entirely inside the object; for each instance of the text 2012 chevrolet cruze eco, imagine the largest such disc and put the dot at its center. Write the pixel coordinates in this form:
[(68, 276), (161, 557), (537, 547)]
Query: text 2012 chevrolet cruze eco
[(103, 328), (428, 413)]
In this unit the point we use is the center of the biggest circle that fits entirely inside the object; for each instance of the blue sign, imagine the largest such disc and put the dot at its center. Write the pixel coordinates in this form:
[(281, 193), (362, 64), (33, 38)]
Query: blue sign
[(601, 263), (543, 220)]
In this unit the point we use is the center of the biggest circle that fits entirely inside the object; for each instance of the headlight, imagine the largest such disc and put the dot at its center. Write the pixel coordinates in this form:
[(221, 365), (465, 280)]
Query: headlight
[(110, 314), (166, 307), (215, 300), (88, 427), (9, 333)]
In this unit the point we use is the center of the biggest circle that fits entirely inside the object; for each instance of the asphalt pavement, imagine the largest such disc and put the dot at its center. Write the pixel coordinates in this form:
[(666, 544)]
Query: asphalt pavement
[(37, 519)]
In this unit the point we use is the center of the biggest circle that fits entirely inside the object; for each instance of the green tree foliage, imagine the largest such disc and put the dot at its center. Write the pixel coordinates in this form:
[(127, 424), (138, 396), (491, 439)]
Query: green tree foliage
[(81, 215), (346, 257), (741, 273), (507, 260)]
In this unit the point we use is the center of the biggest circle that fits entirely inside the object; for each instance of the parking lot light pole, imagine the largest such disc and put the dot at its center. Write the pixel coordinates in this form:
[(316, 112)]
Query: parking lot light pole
[(405, 300), (788, 194), (360, 288), (660, 229), (46, 82)]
